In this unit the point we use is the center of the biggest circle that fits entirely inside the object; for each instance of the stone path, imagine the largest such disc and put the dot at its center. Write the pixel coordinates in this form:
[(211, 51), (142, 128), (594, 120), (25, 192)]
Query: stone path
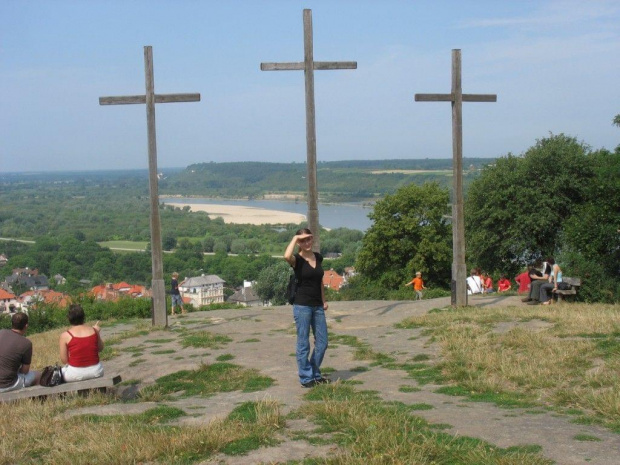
[(265, 339)]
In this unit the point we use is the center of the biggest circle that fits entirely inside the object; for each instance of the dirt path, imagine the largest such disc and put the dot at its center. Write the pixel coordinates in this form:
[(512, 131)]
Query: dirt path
[(264, 339)]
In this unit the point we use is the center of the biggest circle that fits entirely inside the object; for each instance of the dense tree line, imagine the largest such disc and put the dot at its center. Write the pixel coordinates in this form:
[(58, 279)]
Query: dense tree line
[(343, 180), (559, 199)]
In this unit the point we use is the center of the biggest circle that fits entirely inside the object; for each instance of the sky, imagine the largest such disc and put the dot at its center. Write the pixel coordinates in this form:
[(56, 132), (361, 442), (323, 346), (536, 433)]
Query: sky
[(554, 65)]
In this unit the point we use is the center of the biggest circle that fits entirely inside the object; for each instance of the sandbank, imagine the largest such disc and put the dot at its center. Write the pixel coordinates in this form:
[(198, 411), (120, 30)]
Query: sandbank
[(237, 214)]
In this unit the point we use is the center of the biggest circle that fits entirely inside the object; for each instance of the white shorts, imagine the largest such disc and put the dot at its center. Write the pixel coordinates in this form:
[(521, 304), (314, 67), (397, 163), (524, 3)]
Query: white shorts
[(23, 380), (70, 374)]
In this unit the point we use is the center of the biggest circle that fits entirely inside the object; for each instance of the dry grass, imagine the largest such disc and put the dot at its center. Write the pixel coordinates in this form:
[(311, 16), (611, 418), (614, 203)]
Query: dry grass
[(46, 351), (571, 362), (373, 432), (40, 433)]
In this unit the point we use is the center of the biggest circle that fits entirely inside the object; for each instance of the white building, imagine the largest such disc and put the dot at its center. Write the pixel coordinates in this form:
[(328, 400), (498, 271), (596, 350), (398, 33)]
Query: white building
[(203, 290)]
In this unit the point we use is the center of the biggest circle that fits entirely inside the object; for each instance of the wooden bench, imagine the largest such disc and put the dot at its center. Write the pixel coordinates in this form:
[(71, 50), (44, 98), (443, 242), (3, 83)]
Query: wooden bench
[(81, 387), (574, 283)]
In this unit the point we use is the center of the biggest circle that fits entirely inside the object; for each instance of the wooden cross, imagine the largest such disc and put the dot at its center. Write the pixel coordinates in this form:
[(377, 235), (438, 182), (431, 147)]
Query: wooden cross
[(160, 315), (308, 66), (459, 271)]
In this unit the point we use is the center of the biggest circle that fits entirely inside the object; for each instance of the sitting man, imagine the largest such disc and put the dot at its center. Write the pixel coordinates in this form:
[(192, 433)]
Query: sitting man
[(16, 355)]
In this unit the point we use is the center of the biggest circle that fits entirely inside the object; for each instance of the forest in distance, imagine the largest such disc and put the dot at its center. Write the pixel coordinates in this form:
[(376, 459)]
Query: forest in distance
[(68, 213), (560, 198)]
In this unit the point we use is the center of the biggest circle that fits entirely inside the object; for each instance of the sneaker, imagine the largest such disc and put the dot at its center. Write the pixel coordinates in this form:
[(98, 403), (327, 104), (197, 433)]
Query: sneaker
[(527, 299), (309, 384), (322, 380)]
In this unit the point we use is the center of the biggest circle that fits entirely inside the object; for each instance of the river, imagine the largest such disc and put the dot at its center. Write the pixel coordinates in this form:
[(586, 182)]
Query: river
[(333, 215)]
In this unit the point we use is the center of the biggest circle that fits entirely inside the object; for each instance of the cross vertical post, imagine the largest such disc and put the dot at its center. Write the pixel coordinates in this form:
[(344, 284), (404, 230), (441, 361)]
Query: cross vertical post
[(308, 66), (456, 97), (160, 315)]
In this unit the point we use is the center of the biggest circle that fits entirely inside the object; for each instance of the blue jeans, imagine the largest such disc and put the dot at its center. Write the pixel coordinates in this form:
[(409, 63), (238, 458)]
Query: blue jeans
[(307, 318)]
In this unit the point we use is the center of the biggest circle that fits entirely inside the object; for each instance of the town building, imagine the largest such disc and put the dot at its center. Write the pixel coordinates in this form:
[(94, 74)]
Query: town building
[(8, 302), (114, 292), (28, 278), (246, 296), (332, 280), (30, 299), (203, 290)]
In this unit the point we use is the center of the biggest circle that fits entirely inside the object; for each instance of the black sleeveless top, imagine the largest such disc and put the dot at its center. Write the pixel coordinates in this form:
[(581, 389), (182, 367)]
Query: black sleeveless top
[(309, 289)]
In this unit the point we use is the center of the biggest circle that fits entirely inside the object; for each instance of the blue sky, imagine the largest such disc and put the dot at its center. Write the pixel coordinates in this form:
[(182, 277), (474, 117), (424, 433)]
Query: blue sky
[(555, 66)]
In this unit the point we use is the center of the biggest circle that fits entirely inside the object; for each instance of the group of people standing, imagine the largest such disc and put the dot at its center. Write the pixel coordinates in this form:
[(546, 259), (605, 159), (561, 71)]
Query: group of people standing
[(79, 349)]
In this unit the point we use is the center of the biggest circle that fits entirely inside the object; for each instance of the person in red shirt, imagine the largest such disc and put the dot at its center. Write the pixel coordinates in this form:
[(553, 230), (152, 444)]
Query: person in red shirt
[(503, 284), (79, 348), (487, 283), (523, 280), (418, 285)]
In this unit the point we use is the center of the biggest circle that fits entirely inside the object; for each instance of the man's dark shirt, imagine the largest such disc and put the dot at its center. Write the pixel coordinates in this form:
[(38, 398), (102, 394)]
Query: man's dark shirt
[(15, 351)]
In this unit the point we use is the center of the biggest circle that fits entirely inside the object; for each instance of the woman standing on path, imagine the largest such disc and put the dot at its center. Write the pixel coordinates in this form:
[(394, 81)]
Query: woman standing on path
[(308, 308)]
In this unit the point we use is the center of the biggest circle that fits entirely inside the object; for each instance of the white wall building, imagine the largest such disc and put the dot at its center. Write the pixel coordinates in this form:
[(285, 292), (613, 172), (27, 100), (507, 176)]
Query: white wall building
[(203, 290)]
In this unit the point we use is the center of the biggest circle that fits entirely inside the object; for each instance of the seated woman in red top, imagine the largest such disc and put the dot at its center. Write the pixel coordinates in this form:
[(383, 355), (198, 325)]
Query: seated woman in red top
[(80, 347)]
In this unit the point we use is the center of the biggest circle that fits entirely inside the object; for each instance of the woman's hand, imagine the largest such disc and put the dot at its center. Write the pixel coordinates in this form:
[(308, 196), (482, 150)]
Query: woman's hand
[(325, 305), (96, 327)]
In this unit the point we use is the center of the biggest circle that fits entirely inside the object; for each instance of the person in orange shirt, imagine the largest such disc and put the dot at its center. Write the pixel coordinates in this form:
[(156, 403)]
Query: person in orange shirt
[(418, 285)]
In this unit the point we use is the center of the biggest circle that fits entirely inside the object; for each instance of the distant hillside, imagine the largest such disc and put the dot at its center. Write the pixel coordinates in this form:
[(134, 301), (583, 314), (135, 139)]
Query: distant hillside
[(338, 180)]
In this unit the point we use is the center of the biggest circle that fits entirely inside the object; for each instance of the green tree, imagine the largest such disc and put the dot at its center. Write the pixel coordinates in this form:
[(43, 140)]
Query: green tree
[(616, 120), (410, 233), (272, 282), (516, 209)]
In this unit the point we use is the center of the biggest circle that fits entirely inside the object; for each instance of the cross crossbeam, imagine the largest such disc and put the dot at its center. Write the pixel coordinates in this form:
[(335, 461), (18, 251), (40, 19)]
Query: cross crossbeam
[(308, 66), (456, 97), (160, 315)]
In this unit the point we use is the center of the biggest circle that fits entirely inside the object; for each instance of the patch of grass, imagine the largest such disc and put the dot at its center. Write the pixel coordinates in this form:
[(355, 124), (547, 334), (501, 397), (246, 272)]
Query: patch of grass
[(526, 449), (205, 339), (159, 341), (420, 358), (420, 406), (501, 399), (360, 369), (163, 352), (137, 361), (251, 340), (364, 427), (543, 358), (586, 437), (141, 438), (225, 357), (421, 372), (207, 380), (134, 349), (363, 351), (409, 389)]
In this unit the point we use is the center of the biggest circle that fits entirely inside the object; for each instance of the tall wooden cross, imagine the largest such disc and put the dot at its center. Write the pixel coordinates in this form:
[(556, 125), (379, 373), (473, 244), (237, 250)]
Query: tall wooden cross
[(459, 271), (308, 66), (160, 315)]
